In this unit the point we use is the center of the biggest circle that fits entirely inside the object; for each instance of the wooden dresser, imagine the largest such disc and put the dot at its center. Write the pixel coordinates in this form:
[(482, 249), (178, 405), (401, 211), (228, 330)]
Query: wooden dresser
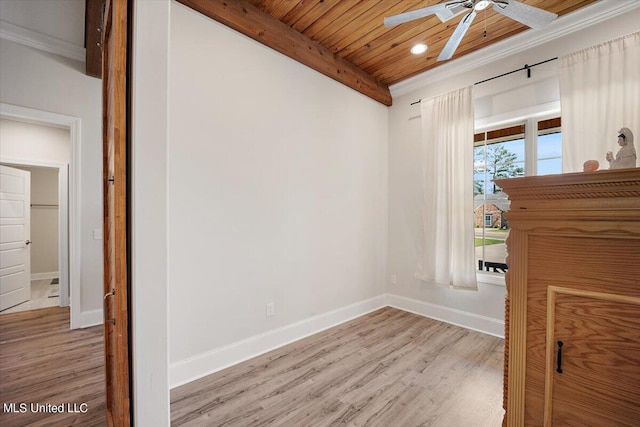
[(573, 299)]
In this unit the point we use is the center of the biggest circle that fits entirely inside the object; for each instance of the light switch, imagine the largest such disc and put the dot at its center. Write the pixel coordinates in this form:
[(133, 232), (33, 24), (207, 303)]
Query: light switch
[(97, 234)]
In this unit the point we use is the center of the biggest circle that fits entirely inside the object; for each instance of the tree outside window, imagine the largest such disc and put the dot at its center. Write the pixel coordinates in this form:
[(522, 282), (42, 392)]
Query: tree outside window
[(500, 154)]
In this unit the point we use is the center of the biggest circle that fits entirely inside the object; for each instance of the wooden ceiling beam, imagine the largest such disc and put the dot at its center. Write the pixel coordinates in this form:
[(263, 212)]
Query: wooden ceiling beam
[(93, 37), (262, 27)]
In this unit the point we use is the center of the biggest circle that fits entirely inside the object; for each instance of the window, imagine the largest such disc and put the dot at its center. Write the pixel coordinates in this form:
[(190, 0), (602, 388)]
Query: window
[(549, 147), (506, 153)]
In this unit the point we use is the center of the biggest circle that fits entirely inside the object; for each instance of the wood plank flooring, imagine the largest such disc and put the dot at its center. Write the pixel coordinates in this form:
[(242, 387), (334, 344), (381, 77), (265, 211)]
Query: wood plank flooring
[(43, 362), (387, 368)]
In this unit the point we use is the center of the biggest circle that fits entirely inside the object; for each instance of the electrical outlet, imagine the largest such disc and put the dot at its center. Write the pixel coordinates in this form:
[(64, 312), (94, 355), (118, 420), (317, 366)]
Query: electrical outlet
[(271, 310), (394, 279)]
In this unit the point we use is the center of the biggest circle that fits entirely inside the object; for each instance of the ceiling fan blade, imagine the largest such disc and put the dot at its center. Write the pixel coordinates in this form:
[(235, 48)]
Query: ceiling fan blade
[(456, 37), (451, 12), (391, 21), (530, 16)]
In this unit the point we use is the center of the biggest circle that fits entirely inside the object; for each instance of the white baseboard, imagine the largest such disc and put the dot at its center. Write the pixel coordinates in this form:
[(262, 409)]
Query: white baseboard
[(190, 369), (476, 322), (90, 318), (42, 276), (187, 370)]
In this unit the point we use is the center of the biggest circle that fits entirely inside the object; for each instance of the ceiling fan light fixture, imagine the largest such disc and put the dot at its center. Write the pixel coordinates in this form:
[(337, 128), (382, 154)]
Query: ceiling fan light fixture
[(419, 49), (531, 16), (482, 5)]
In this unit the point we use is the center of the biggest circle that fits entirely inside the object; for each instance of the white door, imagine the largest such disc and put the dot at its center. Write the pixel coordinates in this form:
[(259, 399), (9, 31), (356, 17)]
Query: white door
[(15, 232)]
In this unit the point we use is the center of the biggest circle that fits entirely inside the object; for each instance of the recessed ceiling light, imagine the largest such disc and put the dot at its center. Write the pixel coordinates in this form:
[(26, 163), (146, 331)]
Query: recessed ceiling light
[(419, 48), (482, 5)]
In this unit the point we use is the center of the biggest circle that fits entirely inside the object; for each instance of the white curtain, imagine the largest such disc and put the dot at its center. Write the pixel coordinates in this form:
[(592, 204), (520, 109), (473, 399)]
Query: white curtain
[(599, 93), (447, 255)]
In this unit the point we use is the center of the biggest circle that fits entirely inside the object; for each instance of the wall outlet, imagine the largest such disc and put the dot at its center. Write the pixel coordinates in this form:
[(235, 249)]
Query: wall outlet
[(271, 310), (394, 279)]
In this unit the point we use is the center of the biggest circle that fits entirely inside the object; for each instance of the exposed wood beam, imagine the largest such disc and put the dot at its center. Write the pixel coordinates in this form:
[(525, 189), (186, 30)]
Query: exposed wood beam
[(92, 37), (260, 26)]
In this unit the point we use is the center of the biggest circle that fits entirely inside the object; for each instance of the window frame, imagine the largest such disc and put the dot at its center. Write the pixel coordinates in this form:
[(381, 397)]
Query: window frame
[(530, 122)]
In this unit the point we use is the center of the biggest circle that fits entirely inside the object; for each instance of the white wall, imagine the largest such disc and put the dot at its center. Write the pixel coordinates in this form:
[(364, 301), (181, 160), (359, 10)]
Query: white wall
[(44, 221), (30, 141), (506, 98), (62, 19), (149, 213), (47, 82), (277, 186)]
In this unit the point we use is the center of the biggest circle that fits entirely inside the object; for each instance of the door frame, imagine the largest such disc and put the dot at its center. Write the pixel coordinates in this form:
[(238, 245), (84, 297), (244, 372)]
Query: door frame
[(116, 139), (68, 196)]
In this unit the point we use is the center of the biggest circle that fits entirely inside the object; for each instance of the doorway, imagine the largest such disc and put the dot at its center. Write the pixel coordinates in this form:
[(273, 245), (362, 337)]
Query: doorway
[(67, 188), (48, 237)]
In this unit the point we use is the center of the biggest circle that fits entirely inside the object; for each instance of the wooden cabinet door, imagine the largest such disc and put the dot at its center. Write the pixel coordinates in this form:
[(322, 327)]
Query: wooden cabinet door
[(599, 382), (116, 322)]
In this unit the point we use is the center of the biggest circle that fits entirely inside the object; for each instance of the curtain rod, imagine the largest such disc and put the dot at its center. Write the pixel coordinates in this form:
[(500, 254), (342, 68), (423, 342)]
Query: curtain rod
[(526, 67)]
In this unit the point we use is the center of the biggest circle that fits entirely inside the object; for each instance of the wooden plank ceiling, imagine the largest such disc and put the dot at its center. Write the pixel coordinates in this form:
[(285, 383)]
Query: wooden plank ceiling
[(347, 41)]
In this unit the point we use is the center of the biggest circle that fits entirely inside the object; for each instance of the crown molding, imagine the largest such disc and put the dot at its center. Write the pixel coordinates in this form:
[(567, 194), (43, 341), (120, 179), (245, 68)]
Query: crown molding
[(41, 41), (561, 27)]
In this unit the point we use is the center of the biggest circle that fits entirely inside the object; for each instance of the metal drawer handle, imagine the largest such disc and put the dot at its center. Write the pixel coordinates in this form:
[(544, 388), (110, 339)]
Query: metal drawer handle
[(559, 369)]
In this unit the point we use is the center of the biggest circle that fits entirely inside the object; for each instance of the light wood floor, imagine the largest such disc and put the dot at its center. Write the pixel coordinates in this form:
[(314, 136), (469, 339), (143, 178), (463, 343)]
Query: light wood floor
[(388, 368), (43, 361)]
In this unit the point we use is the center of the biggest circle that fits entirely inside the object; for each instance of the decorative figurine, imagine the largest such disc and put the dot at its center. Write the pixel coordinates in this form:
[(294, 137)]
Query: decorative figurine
[(626, 156)]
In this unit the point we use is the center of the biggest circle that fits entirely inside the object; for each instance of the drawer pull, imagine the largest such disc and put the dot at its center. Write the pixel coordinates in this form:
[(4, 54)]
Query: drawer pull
[(560, 344)]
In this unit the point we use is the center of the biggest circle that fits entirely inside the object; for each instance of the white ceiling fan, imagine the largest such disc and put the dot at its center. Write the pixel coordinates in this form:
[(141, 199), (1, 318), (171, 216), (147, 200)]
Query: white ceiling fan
[(530, 16)]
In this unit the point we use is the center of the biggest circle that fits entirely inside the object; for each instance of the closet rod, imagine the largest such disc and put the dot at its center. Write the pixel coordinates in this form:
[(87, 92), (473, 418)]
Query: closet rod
[(39, 205), (526, 67)]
